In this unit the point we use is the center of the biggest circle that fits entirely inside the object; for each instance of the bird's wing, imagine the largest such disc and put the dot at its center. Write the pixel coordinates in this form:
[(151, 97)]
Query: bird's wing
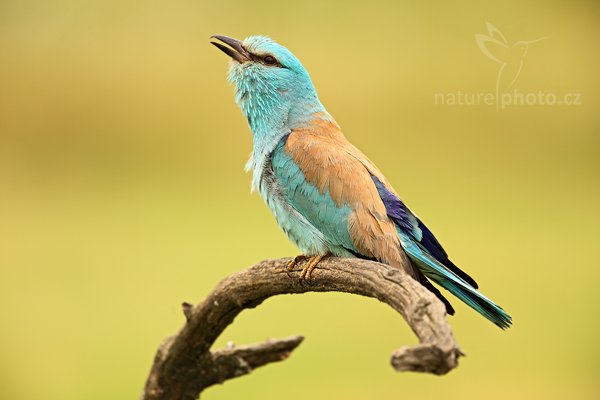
[(326, 180), (413, 228), (342, 194), (333, 185)]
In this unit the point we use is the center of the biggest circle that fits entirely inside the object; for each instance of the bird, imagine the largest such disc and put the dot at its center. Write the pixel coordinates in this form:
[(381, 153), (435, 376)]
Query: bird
[(326, 195)]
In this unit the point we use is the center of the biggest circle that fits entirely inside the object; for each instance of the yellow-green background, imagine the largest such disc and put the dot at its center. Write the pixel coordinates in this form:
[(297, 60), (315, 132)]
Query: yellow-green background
[(122, 192)]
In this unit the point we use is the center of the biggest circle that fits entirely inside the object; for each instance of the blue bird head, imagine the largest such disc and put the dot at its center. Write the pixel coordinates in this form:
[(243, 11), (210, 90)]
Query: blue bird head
[(272, 87)]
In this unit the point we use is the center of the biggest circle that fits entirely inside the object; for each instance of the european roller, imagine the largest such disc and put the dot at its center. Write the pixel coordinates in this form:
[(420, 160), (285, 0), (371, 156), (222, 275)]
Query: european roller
[(325, 194)]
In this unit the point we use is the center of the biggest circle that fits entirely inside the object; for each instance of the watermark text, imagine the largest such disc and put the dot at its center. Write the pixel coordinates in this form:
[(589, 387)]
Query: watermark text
[(507, 99)]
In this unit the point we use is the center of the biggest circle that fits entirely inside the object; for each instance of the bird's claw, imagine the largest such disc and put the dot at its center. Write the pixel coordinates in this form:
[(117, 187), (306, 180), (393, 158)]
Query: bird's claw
[(311, 264), (295, 261)]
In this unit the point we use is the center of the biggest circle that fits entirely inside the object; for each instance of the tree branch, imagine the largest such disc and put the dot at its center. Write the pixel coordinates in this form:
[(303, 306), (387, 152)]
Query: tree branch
[(184, 365)]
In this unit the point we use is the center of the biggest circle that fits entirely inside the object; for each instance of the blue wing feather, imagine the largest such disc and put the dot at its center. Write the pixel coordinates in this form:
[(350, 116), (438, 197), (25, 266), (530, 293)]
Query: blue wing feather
[(412, 225), (432, 260), (452, 282)]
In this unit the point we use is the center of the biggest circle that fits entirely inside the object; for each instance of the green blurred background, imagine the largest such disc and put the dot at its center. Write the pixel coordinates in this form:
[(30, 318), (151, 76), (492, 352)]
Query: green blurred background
[(122, 192)]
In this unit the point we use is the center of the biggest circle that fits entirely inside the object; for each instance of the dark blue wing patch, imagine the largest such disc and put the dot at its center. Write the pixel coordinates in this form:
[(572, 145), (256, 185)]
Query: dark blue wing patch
[(396, 209), (413, 226)]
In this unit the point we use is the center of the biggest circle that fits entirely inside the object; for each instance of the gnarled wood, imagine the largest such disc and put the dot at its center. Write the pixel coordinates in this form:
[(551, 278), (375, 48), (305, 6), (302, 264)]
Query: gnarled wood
[(184, 364)]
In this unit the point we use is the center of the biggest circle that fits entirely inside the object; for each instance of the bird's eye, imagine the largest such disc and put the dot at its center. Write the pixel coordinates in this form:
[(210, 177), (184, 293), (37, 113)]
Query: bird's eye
[(270, 60)]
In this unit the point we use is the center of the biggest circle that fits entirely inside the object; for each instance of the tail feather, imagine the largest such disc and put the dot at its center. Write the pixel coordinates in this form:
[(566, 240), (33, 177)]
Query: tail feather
[(446, 278), (433, 247), (481, 304)]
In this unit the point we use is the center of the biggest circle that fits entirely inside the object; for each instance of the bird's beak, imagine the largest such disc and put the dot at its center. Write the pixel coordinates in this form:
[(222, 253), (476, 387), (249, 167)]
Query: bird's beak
[(235, 49)]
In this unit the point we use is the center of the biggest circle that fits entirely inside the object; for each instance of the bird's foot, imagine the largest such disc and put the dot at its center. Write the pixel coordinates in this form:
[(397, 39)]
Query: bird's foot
[(310, 266)]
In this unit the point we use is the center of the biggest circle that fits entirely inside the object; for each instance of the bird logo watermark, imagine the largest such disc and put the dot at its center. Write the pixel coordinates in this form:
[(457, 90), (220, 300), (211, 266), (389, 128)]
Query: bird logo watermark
[(511, 59)]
